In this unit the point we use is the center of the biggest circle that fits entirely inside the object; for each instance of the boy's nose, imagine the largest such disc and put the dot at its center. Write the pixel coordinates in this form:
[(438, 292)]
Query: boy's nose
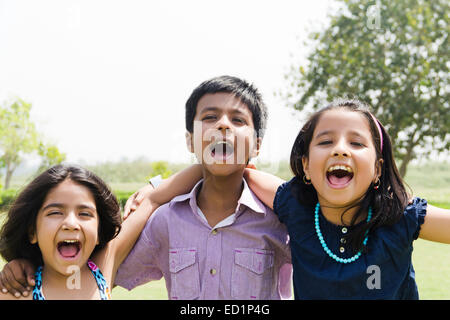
[(223, 123)]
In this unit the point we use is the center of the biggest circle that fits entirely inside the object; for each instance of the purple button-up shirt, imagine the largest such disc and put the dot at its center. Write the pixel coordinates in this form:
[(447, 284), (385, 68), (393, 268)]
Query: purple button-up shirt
[(244, 257)]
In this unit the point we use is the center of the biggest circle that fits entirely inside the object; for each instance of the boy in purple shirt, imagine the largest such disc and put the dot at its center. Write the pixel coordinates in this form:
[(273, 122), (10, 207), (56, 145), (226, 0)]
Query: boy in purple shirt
[(218, 241)]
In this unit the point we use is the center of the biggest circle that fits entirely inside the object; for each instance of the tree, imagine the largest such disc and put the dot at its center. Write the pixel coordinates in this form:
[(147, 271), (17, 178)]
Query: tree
[(18, 136), (50, 155), (393, 55)]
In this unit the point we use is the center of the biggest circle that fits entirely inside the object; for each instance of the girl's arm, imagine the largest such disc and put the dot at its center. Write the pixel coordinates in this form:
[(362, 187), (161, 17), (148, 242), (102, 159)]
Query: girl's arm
[(436, 226), (180, 183), (263, 184)]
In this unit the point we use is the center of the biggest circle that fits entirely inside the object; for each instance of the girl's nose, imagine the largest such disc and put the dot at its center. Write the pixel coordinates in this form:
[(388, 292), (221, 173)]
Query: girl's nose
[(340, 149), (70, 222)]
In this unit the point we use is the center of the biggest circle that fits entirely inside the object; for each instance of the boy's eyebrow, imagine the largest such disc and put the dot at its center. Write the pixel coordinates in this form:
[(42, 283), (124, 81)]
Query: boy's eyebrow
[(212, 108), (60, 205)]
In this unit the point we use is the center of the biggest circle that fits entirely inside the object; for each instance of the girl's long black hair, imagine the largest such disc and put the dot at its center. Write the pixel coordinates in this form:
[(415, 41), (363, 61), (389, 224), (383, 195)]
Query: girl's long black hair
[(388, 202), (21, 219)]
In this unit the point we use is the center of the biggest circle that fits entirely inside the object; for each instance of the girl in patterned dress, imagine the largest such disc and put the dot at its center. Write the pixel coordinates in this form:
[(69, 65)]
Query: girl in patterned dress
[(67, 223)]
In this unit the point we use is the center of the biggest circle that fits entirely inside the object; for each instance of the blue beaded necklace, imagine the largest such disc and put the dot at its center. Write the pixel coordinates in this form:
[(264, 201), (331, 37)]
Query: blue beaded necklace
[(324, 245)]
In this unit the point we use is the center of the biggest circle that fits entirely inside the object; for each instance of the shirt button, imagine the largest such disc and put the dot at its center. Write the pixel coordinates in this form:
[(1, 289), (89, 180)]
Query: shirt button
[(344, 230), (212, 271), (342, 249), (343, 240), (214, 231)]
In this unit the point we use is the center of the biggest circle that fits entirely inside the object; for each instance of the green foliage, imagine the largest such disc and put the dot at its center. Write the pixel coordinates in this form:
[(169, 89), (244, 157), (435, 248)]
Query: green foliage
[(18, 136), (50, 156), (6, 198), (393, 55), (139, 170)]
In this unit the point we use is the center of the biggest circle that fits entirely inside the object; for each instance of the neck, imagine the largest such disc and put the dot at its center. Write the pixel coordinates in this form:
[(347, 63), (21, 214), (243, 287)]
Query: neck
[(334, 214), (57, 285), (219, 195)]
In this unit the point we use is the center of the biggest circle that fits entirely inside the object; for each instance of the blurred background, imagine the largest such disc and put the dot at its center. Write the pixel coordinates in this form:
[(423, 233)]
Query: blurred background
[(103, 84)]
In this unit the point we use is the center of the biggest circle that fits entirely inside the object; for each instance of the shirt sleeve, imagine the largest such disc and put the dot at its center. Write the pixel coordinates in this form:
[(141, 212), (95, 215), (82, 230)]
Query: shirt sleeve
[(142, 263), (414, 215), (281, 201)]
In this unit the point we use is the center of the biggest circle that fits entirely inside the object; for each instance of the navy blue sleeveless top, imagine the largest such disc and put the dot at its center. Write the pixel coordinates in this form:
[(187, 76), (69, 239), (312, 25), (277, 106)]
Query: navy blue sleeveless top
[(384, 272)]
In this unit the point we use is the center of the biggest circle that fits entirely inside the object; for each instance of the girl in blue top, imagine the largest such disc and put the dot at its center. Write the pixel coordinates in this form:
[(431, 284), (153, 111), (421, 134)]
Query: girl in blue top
[(67, 223), (349, 218)]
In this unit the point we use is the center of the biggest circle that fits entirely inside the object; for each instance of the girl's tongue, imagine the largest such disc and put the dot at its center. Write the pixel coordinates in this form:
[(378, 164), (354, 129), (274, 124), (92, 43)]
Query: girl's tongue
[(68, 250)]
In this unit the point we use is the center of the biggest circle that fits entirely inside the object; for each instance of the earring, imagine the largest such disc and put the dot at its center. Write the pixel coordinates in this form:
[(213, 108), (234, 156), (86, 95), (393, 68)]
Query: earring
[(376, 185), (306, 180)]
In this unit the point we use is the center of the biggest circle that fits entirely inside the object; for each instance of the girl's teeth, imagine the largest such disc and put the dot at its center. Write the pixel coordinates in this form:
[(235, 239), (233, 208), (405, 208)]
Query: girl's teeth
[(340, 168)]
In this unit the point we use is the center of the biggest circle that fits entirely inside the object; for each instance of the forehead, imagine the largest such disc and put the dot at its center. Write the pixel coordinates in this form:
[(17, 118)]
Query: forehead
[(338, 120), (69, 192), (222, 102)]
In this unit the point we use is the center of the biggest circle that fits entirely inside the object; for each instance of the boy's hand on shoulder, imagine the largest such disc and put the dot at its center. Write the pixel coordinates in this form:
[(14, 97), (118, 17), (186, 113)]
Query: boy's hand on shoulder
[(136, 199), (17, 278)]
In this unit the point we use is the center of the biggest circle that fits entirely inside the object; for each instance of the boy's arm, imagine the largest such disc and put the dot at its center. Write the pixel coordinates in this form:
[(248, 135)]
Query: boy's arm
[(436, 226), (180, 183), (17, 277), (263, 184)]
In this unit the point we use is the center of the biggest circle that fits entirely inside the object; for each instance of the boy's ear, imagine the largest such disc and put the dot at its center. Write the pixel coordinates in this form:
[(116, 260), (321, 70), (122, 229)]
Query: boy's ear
[(189, 142), (257, 146), (305, 163)]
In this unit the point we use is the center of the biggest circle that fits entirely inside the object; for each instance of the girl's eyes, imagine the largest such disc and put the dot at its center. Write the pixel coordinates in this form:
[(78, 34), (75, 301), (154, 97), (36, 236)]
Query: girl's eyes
[(82, 214), (358, 144), (51, 213), (86, 214), (353, 143)]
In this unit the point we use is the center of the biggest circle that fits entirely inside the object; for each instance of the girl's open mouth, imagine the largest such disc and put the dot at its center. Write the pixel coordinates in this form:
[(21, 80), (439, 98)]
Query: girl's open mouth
[(339, 176), (69, 249)]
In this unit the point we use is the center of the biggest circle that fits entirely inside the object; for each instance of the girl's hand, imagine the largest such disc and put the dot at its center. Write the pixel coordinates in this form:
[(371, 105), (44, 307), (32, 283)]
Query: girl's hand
[(17, 277), (135, 200)]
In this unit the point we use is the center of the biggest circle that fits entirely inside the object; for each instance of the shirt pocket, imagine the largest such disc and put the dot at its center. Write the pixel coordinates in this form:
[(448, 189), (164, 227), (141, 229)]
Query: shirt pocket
[(252, 274), (184, 273)]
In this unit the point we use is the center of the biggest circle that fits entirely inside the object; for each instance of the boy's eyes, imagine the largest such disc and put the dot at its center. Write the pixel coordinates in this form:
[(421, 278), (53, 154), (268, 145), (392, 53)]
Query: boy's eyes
[(209, 117), (235, 119)]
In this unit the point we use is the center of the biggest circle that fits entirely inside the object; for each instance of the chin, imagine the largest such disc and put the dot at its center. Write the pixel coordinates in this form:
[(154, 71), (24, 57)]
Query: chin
[(222, 170)]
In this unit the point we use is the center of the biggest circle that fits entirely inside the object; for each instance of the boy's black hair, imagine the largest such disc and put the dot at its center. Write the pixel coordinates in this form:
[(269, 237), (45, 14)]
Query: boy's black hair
[(388, 201), (21, 218), (246, 92)]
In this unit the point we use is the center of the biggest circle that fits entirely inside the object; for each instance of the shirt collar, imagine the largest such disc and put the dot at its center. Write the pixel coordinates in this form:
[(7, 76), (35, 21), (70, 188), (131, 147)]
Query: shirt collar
[(248, 199)]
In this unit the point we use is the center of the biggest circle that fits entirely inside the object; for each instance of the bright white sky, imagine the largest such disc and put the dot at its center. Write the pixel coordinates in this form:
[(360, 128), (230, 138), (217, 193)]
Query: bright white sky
[(109, 79)]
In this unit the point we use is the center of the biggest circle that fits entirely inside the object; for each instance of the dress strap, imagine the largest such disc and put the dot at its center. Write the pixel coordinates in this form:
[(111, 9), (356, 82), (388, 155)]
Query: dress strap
[(37, 290), (105, 293)]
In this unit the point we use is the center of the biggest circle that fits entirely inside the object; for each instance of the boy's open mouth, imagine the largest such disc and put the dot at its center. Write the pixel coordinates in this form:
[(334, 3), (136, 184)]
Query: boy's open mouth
[(69, 248), (221, 150), (339, 176)]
